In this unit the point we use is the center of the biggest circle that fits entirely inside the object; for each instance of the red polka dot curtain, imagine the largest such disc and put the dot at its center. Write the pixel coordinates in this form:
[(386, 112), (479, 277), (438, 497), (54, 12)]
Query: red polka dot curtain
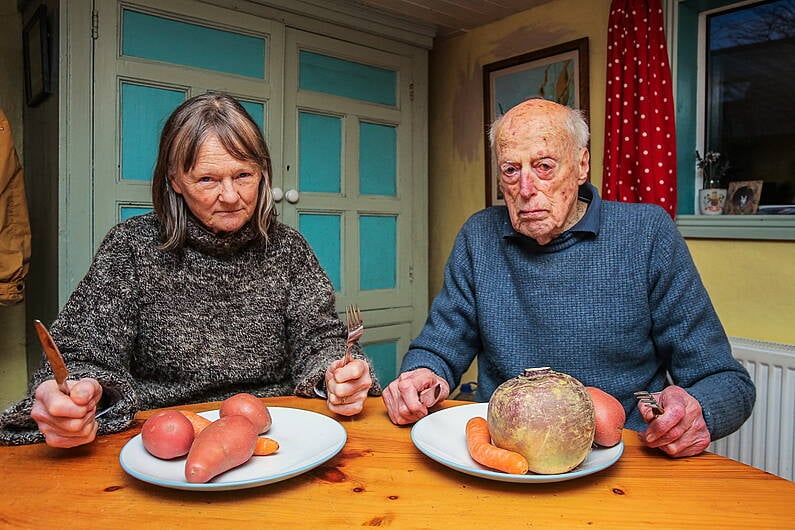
[(640, 130)]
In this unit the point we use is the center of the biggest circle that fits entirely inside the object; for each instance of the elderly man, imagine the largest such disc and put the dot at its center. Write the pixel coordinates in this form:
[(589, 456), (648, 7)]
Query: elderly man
[(604, 291)]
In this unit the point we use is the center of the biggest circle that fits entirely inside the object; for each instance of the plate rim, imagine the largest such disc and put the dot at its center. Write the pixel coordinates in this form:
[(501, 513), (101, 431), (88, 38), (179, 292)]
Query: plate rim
[(330, 453), (482, 472)]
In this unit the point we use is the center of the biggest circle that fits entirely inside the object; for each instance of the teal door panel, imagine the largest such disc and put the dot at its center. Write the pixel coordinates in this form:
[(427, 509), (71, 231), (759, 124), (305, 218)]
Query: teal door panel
[(383, 357), (385, 346), (172, 41), (339, 77), (378, 252), (257, 112), (377, 159), (125, 212), (322, 231), (320, 153), (144, 110)]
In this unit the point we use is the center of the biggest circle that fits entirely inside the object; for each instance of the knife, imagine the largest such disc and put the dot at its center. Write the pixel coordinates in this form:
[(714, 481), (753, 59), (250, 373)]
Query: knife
[(53, 356), (56, 361)]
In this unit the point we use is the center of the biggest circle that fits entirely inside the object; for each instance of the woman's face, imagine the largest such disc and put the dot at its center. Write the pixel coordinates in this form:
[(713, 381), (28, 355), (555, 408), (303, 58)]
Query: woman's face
[(220, 190)]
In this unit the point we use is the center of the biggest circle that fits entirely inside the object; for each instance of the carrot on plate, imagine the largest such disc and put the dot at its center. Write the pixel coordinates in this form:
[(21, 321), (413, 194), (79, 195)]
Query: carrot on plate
[(485, 453), (265, 446), (198, 422)]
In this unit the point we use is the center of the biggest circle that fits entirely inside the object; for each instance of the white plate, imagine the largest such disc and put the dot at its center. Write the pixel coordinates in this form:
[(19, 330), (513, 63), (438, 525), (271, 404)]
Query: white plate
[(442, 437), (306, 440)]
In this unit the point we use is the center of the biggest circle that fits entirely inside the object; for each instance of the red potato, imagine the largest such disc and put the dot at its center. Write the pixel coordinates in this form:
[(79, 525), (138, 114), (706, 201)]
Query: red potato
[(167, 434), (249, 406), (224, 444), (609, 415)]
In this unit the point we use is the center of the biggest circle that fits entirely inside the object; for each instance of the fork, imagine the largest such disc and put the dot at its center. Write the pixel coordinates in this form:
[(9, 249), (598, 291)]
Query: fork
[(647, 399), (355, 324), (430, 396)]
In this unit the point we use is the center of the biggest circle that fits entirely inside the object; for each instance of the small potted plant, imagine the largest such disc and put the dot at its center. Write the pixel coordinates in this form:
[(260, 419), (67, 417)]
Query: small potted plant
[(712, 195)]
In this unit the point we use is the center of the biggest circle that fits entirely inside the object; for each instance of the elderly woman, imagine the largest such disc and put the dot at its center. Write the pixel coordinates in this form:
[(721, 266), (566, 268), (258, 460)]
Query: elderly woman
[(204, 298)]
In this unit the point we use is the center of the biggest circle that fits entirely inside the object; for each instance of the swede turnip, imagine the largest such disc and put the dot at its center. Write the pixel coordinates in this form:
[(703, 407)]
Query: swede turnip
[(544, 415)]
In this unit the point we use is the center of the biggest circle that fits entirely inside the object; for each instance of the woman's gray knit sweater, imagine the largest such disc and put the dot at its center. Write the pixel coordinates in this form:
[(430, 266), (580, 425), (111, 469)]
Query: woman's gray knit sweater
[(224, 315)]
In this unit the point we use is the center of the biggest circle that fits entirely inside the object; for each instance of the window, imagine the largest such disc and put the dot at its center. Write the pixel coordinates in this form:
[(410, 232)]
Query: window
[(750, 110), (734, 86)]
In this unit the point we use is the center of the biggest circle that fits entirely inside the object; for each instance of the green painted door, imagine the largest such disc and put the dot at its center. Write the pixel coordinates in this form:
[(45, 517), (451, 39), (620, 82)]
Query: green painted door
[(338, 119), (347, 179)]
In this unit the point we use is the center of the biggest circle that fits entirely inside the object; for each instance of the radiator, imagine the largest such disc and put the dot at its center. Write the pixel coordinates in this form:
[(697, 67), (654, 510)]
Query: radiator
[(765, 440)]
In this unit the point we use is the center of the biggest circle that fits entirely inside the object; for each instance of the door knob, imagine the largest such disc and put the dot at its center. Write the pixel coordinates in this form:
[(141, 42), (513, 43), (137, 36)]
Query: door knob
[(277, 194), (292, 196)]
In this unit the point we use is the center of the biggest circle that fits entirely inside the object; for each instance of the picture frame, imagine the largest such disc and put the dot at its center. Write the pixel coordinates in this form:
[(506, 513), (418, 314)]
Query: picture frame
[(36, 53), (743, 197), (558, 73)]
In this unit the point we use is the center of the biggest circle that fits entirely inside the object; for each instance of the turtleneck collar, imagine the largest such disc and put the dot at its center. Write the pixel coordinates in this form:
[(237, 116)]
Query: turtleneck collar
[(206, 242)]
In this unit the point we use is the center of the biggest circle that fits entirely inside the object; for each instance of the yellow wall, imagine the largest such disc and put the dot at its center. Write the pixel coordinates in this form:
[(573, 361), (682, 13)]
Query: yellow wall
[(751, 283)]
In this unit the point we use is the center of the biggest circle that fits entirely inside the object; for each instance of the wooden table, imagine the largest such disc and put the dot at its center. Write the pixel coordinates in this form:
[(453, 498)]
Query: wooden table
[(380, 479)]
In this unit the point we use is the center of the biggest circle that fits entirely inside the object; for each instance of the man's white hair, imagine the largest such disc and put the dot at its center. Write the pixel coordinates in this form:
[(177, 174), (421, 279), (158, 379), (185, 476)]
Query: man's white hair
[(575, 124)]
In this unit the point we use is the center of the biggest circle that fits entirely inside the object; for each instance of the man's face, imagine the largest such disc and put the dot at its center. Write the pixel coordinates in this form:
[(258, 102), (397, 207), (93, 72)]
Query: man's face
[(540, 169)]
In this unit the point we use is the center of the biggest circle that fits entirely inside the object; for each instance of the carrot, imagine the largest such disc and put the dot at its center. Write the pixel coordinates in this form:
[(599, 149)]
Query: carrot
[(265, 446), (484, 452), (198, 422)]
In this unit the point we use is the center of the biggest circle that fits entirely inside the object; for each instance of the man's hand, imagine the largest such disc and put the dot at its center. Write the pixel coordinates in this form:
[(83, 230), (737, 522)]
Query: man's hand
[(67, 421), (402, 396), (347, 386), (681, 430)]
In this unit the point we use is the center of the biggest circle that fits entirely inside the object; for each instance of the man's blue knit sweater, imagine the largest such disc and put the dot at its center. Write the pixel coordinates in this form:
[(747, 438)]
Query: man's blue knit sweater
[(616, 302)]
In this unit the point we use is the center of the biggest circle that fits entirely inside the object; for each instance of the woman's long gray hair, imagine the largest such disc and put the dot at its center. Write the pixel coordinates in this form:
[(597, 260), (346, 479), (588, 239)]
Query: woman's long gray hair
[(210, 114)]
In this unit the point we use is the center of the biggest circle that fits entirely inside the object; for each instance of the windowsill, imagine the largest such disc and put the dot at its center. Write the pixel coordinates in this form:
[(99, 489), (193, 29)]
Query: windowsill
[(780, 227)]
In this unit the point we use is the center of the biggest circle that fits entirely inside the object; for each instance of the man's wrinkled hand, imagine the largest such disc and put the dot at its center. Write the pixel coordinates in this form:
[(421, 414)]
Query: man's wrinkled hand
[(402, 396), (681, 431)]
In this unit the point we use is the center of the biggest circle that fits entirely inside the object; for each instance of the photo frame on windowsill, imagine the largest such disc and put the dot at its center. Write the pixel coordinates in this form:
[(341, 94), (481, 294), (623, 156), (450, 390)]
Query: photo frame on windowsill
[(558, 73), (36, 52), (743, 197)]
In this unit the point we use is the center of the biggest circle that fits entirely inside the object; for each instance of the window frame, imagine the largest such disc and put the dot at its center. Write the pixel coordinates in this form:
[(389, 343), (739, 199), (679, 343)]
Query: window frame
[(688, 47)]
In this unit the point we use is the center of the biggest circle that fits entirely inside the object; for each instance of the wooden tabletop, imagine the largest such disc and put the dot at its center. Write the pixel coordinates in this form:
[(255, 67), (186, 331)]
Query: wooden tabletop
[(380, 479)]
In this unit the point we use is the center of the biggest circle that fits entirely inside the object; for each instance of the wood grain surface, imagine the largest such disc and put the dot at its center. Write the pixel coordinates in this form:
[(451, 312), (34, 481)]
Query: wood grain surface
[(380, 479)]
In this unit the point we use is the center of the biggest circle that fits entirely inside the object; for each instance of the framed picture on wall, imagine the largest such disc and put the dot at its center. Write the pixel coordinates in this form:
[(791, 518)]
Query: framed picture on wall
[(36, 55), (558, 73)]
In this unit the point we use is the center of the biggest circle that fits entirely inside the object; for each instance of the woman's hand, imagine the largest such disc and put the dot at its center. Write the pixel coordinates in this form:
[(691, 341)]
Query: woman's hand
[(67, 421), (347, 386), (402, 396), (681, 430)]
